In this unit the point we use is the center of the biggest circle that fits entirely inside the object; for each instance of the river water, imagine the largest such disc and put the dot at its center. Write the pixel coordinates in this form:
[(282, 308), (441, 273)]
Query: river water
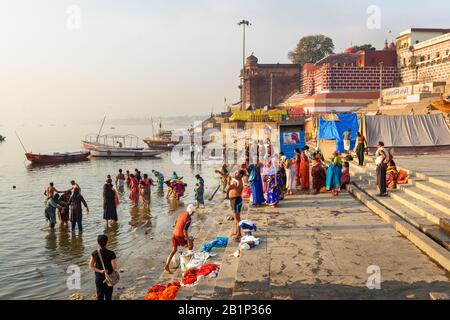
[(34, 260)]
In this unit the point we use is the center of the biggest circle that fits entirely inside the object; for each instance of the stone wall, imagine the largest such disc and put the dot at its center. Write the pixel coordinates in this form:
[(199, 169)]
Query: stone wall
[(432, 73), (347, 78), (285, 81), (428, 61)]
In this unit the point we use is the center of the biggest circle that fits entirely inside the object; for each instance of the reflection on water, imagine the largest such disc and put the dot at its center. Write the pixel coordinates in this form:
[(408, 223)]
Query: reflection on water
[(34, 259), (140, 217)]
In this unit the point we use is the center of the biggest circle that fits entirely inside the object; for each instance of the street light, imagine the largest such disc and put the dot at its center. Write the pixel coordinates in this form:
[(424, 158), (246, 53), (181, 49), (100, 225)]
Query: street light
[(243, 23)]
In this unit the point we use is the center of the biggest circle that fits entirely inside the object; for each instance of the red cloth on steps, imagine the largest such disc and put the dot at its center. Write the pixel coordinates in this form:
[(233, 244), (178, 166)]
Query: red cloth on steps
[(159, 292)]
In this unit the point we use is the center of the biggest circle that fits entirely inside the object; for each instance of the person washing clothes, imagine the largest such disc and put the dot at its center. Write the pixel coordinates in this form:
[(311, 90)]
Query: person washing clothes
[(180, 235)]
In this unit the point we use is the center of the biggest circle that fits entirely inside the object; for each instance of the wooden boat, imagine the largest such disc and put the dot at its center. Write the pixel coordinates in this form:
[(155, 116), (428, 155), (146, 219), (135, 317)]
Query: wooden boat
[(162, 140), (124, 153), (57, 157), (160, 145), (125, 142)]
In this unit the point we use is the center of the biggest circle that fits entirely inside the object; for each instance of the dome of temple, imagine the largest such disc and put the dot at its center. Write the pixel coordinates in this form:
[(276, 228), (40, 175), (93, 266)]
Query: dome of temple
[(251, 60), (392, 46), (350, 50)]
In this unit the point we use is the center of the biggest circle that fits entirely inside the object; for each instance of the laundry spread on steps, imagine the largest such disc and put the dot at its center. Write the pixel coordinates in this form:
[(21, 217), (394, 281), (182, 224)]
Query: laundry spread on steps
[(160, 292), (219, 242), (192, 276)]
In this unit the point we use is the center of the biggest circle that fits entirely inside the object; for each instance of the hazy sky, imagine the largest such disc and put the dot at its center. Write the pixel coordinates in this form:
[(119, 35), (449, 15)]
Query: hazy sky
[(155, 58)]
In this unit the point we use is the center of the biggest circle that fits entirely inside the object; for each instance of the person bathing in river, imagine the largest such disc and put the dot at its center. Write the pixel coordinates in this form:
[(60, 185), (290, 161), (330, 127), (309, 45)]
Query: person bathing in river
[(76, 210), (110, 202), (74, 186), (134, 190), (50, 191), (180, 235), (138, 176), (128, 179), (159, 178), (64, 212), (199, 192), (146, 191), (120, 182), (50, 210), (224, 177)]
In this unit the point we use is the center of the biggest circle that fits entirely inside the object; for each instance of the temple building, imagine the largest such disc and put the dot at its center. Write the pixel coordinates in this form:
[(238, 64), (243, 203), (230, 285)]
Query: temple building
[(344, 82), (268, 84)]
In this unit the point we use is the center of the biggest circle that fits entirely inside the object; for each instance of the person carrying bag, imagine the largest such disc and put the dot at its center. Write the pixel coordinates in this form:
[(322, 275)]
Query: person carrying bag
[(103, 262), (110, 279)]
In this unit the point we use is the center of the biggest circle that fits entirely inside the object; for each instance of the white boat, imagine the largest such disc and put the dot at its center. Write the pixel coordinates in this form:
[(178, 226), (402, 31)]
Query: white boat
[(109, 141), (124, 153)]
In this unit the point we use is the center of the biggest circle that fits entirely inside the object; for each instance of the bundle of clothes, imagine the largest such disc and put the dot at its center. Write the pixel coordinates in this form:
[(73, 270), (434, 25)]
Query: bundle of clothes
[(190, 259), (219, 242), (161, 292), (193, 275), (248, 241)]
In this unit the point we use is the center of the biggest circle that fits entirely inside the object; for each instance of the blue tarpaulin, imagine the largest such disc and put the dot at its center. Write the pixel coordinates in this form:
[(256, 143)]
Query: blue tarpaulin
[(334, 129)]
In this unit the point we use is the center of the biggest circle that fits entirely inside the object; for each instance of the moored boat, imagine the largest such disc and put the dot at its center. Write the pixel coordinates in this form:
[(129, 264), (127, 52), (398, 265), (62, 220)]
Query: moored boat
[(2, 138), (160, 145), (124, 142), (124, 153), (57, 157)]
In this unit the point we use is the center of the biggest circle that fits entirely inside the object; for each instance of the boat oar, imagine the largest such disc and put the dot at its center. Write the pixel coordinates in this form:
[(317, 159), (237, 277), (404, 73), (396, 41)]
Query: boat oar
[(212, 196), (25, 149)]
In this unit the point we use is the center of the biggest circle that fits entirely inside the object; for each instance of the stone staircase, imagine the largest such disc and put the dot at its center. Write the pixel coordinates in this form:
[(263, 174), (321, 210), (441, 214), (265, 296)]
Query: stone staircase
[(222, 286), (424, 202)]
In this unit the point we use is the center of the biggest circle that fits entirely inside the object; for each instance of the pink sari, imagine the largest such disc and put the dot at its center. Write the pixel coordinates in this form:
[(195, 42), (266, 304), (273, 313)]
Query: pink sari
[(134, 194)]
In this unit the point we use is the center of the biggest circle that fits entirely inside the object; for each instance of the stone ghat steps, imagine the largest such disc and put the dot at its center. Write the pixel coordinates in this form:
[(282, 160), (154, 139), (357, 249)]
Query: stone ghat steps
[(215, 226), (433, 198), (222, 286), (200, 231), (425, 220), (422, 209), (421, 240), (440, 186), (206, 285)]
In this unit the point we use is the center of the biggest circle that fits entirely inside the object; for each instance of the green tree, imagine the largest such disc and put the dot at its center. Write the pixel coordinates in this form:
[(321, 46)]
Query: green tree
[(365, 47), (311, 49)]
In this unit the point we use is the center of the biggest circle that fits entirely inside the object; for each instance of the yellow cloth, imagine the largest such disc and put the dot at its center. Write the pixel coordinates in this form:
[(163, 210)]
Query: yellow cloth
[(258, 115)]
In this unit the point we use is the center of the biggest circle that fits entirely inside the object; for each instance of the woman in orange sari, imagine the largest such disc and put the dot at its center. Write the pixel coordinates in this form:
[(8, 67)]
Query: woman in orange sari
[(304, 168), (297, 157), (134, 187)]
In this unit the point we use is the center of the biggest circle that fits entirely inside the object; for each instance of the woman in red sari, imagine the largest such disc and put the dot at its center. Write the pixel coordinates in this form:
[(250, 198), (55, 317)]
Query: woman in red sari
[(297, 157), (304, 168), (134, 187)]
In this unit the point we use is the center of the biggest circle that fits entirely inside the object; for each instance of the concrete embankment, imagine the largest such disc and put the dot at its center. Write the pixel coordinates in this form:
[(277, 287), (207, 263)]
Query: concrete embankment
[(419, 210), (320, 247)]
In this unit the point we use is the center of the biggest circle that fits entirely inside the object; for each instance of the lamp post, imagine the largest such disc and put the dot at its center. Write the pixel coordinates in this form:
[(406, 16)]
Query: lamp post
[(243, 23)]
